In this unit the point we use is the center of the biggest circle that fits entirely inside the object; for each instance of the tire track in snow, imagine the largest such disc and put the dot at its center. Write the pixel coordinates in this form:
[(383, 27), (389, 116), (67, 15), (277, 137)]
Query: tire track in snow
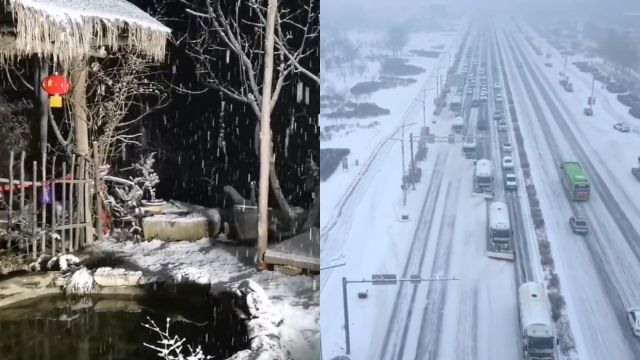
[(415, 256), (594, 247), (431, 324)]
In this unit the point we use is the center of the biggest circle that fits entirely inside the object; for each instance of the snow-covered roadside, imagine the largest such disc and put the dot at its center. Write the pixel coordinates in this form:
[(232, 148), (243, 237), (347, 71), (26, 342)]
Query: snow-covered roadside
[(397, 100), (295, 298)]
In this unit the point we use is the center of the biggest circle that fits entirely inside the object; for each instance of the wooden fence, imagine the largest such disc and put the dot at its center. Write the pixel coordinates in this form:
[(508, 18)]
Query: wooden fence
[(69, 226)]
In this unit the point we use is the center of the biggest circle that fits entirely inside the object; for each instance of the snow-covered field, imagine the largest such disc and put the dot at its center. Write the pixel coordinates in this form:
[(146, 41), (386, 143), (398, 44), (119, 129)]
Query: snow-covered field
[(295, 298)]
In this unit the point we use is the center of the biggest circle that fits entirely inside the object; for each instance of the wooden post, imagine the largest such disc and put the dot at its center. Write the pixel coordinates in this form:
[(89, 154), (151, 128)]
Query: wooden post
[(22, 214), (63, 232), (97, 191), (34, 214), (43, 236), (10, 220)]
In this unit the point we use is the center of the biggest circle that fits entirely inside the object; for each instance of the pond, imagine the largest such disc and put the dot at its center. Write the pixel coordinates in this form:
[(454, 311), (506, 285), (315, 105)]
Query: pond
[(110, 327)]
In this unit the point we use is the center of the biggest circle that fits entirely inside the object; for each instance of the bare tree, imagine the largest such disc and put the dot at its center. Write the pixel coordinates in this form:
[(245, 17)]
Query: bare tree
[(121, 91), (240, 30)]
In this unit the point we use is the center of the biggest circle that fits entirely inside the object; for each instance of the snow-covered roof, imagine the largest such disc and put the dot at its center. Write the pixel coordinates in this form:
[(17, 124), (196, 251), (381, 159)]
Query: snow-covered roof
[(483, 167), (498, 216), (534, 312), (67, 29)]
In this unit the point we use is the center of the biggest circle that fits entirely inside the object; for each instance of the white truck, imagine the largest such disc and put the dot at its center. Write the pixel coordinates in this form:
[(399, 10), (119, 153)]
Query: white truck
[(499, 232), (458, 125), (538, 339), (482, 177)]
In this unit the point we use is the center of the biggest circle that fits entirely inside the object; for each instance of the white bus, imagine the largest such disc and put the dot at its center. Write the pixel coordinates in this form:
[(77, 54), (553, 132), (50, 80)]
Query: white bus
[(458, 125), (499, 227), (538, 339), (482, 178)]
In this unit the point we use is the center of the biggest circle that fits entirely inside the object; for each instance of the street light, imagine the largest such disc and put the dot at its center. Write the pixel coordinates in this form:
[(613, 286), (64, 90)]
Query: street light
[(424, 105), (404, 191)]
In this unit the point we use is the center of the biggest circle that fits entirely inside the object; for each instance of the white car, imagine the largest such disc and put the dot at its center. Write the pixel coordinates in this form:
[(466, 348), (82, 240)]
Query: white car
[(510, 181), (622, 127), (507, 147), (507, 163), (633, 314)]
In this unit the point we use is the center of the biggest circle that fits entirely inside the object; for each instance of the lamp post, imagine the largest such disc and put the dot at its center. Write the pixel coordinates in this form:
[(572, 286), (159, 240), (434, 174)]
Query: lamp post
[(424, 105), (404, 189)]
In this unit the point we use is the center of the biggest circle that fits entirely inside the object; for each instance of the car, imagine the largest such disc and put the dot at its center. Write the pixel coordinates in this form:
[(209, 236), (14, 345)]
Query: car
[(588, 111), (510, 181), (622, 127), (507, 147), (502, 127), (633, 315), (507, 163), (496, 86), (579, 225), (498, 115), (470, 91)]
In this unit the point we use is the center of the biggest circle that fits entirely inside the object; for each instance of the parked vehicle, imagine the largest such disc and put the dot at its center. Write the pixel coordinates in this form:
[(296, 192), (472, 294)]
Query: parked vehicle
[(579, 225), (575, 181), (538, 339), (507, 162), (622, 127), (633, 315), (510, 181)]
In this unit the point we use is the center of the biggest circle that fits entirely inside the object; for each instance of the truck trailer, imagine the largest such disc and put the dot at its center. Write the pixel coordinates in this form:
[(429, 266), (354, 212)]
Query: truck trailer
[(538, 339)]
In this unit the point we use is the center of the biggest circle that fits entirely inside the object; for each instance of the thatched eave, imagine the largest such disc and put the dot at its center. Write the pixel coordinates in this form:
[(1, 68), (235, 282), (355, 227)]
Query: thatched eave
[(68, 29)]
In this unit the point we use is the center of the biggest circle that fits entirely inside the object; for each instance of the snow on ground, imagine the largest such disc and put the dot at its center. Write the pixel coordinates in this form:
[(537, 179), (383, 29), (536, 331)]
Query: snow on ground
[(596, 316), (295, 298), (398, 100)]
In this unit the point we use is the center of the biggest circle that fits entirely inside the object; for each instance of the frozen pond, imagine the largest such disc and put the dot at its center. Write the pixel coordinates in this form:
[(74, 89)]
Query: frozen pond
[(110, 327)]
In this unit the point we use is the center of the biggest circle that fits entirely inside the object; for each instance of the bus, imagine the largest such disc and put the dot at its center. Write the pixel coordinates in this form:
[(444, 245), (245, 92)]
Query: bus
[(538, 339), (482, 177), (499, 230), (575, 181)]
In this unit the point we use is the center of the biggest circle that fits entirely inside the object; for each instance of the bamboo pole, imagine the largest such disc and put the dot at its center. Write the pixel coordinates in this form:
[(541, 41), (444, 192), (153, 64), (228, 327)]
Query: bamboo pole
[(53, 206), (44, 206), (97, 191), (73, 215), (10, 220), (64, 207), (22, 214), (34, 213)]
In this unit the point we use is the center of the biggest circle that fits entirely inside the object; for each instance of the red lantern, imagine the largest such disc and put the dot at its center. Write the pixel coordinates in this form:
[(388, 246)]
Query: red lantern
[(56, 85)]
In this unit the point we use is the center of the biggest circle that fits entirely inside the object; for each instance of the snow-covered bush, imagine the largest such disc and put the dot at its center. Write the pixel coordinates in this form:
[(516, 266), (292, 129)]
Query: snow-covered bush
[(79, 283)]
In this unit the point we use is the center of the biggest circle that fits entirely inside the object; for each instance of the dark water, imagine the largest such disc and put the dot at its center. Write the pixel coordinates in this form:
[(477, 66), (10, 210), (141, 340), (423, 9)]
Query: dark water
[(56, 327)]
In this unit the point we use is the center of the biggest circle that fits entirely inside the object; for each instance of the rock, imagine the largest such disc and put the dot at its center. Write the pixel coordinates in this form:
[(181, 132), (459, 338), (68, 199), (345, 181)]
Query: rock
[(107, 276)]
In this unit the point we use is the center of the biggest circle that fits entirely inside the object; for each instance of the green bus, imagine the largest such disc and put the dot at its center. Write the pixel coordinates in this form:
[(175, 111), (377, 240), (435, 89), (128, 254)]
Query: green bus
[(575, 181)]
